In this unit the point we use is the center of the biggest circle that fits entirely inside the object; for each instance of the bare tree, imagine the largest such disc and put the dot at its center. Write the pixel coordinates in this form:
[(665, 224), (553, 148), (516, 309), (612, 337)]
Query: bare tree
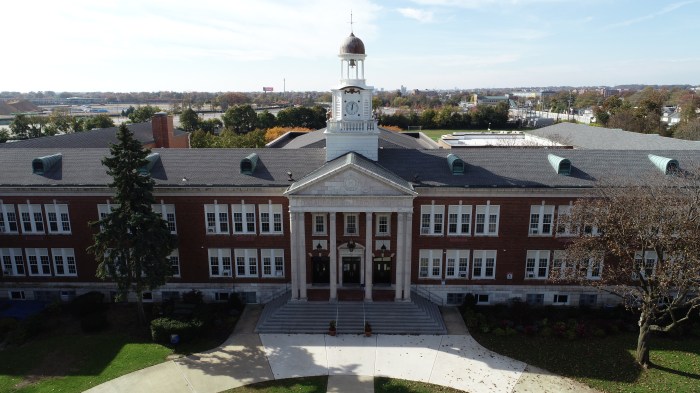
[(640, 242)]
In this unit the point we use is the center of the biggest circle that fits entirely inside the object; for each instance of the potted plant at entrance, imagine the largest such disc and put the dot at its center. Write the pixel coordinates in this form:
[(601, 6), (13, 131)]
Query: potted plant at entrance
[(368, 329), (331, 328)]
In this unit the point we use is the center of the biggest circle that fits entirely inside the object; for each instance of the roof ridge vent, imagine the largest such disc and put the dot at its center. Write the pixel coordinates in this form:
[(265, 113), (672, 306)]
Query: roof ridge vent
[(665, 164), (41, 165), (249, 163), (456, 164), (560, 164), (152, 159)]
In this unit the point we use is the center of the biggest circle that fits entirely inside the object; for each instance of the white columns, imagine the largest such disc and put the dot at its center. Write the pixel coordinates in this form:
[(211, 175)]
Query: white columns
[(301, 249), (398, 273), (368, 256), (407, 257), (293, 234), (333, 254)]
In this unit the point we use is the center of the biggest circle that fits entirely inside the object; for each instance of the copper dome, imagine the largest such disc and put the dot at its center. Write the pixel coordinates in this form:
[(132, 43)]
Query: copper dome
[(352, 45)]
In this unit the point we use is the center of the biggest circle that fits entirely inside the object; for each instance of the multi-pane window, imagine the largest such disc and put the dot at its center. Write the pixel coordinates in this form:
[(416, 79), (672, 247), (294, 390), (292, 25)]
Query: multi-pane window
[(431, 219), (537, 264), (430, 263), (219, 262), (587, 300), (534, 299), (487, 220), (64, 262), (272, 262), (595, 268), (319, 224), (32, 220), (541, 219), (459, 219), (351, 224), (243, 218), (217, 218), (484, 264), (8, 218), (563, 224), (57, 218), (38, 261), (645, 263), (167, 212), (562, 266), (383, 226), (12, 262), (456, 263), (270, 218), (246, 262), (175, 263), (560, 299)]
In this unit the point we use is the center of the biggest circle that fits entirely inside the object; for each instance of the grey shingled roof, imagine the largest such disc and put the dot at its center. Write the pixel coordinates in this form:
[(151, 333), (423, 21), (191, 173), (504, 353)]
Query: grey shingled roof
[(387, 140), (352, 160), (488, 167), (88, 139), (587, 137)]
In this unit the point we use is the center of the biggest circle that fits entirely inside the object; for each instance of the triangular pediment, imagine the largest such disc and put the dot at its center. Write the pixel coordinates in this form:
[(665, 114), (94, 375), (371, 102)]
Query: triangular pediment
[(351, 174)]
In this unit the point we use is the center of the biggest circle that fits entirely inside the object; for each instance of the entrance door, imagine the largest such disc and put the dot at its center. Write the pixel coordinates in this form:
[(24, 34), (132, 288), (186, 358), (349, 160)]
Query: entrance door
[(321, 270), (382, 270), (351, 270)]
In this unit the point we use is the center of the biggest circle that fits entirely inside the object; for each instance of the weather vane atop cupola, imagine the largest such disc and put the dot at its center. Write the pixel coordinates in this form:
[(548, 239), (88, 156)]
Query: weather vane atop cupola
[(351, 31)]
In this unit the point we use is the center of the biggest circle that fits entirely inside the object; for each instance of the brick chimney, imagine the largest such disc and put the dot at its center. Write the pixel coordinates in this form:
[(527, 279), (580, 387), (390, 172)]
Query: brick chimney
[(163, 130)]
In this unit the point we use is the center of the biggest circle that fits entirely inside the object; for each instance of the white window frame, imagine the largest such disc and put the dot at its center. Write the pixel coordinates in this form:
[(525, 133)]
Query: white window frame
[(246, 212), (432, 220), (12, 261), (247, 259), (35, 218), (561, 265), (480, 259), (62, 261), (535, 261), (561, 299), (348, 218), (433, 258), (590, 264), (43, 262), (272, 259), (8, 219), (174, 259), (221, 222), (564, 228), (642, 262), (19, 295), (167, 213), (483, 298), (61, 218), (490, 216), (462, 215), (220, 258), (380, 217), (541, 220), (274, 222), (458, 260), (319, 219)]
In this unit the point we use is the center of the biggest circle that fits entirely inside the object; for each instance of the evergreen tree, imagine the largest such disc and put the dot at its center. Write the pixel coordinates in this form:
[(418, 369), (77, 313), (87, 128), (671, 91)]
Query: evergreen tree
[(133, 242)]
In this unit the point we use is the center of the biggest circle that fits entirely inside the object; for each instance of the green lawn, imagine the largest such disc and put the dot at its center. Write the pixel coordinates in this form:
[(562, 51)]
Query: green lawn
[(608, 363), (436, 134), (74, 363)]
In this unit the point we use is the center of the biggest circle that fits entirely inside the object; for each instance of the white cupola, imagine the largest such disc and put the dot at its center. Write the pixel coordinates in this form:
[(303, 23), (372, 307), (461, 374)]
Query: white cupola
[(352, 126)]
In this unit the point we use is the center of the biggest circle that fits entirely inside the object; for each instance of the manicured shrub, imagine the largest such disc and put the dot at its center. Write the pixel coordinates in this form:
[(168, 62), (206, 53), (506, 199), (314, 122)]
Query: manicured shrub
[(546, 331), (499, 332), (600, 333), (235, 302), (192, 297), (162, 328), (93, 323), (87, 303), (511, 332)]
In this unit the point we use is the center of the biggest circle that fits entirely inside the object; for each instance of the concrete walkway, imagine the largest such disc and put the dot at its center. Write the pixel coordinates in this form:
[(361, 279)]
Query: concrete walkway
[(350, 361)]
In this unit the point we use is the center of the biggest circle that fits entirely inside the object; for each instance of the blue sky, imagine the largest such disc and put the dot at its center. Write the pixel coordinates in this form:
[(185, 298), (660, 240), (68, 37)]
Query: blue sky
[(243, 45)]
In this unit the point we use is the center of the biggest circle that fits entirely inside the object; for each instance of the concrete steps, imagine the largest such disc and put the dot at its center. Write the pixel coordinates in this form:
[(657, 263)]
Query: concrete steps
[(416, 317)]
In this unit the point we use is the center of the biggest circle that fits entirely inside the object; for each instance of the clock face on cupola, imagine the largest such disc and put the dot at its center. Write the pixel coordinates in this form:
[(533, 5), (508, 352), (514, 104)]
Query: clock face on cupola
[(352, 126)]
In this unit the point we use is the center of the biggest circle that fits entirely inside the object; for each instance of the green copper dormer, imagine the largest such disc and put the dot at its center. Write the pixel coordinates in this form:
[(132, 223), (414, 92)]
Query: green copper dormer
[(152, 160), (665, 165), (456, 164), (42, 165), (249, 163), (560, 164)]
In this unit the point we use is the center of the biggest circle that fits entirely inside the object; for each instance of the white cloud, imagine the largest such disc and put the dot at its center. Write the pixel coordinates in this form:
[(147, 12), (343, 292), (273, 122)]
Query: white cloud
[(665, 10), (421, 16)]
